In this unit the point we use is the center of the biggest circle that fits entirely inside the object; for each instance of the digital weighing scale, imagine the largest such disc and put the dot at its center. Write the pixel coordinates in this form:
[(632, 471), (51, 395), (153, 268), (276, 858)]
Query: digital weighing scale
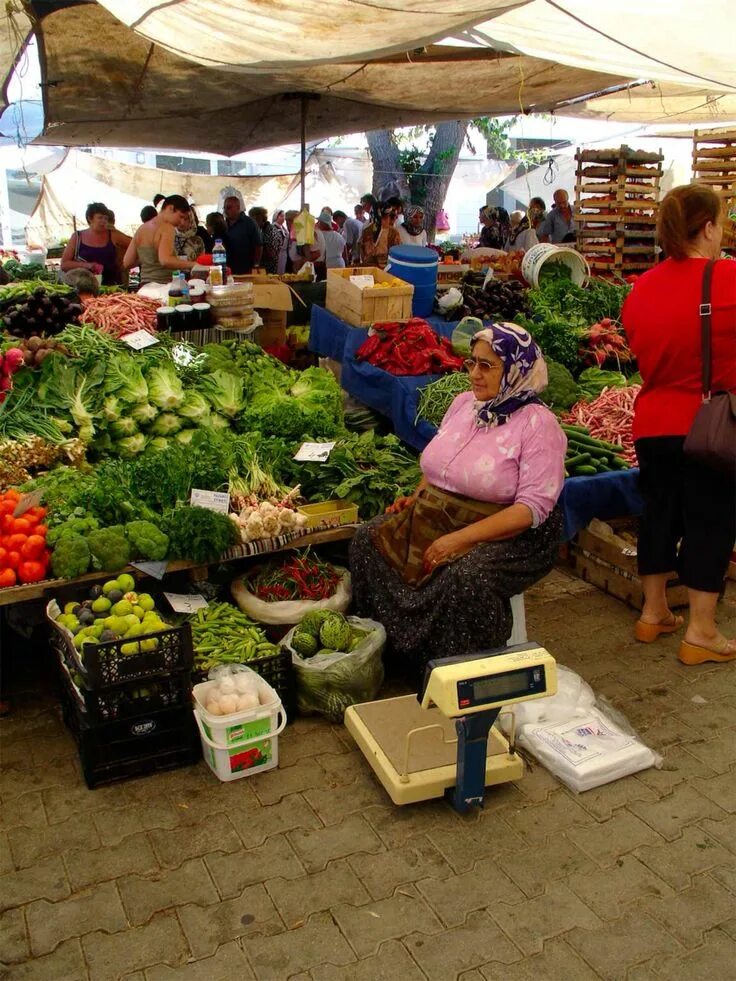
[(442, 741)]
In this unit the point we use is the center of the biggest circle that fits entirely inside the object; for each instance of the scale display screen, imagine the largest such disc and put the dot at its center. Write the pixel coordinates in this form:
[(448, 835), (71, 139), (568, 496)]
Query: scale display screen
[(499, 687)]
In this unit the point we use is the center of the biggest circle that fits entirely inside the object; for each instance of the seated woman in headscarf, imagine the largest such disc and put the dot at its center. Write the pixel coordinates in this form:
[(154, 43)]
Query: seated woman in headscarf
[(522, 236), (496, 228), (411, 230), (438, 570), (379, 236)]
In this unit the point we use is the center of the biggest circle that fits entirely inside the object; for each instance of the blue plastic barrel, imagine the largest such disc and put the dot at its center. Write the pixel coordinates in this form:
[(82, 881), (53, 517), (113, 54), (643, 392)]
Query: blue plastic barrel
[(418, 266)]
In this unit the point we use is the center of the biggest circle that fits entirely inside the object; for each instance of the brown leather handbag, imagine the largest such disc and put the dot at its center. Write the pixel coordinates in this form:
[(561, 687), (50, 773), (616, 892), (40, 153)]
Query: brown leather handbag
[(712, 436)]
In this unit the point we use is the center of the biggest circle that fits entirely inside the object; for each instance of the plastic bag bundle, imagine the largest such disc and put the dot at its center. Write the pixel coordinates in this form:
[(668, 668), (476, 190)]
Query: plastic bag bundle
[(329, 682), (584, 742), (287, 612)]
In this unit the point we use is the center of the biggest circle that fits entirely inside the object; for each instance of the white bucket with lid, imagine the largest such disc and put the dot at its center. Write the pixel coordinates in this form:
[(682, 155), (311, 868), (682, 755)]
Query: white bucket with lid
[(536, 257)]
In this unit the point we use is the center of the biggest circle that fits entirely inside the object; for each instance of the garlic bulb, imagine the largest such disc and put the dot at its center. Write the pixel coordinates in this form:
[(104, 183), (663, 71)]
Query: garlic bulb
[(213, 707), (227, 685), (248, 700)]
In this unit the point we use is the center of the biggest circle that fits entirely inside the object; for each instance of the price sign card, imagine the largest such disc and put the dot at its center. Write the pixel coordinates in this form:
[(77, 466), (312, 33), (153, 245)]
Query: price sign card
[(212, 500), (157, 570), (362, 282), (27, 501), (183, 603), (314, 452), (139, 339)]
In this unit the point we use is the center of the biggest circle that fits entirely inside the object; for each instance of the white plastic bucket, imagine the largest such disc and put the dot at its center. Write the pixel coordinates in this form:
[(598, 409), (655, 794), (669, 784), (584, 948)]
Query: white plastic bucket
[(251, 756), (233, 729), (536, 257)]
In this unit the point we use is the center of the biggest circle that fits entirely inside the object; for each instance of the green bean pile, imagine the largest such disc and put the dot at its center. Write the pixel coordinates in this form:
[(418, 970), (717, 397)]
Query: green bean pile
[(223, 635), (437, 397)]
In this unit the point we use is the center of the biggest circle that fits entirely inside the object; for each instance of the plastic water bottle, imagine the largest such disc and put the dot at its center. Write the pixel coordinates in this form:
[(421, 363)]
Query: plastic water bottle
[(175, 295), (219, 259), (185, 294)]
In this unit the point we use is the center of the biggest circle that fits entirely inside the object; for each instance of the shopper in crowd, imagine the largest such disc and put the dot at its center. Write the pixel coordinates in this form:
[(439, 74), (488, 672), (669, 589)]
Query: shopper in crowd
[(245, 244), (281, 234), (352, 231), (152, 247), (295, 256), (495, 229), (157, 199), (537, 212), (270, 238), (559, 225), (411, 230), (398, 205), (521, 236), (93, 248), (379, 237), (188, 243), (689, 520), (370, 206), (332, 248), (84, 282), (121, 241), (440, 569), (216, 228), (147, 213), (339, 218)]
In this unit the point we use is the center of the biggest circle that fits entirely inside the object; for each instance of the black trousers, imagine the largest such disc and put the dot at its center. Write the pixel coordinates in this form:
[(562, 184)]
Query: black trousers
[(688, 504)]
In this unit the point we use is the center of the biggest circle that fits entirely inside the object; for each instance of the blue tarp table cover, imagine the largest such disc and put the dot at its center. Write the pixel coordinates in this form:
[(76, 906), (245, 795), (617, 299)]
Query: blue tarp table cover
[(328, 334)]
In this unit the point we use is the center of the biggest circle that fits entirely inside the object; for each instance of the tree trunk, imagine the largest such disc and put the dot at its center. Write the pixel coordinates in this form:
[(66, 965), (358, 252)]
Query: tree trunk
[(429, 185), (388, 177)]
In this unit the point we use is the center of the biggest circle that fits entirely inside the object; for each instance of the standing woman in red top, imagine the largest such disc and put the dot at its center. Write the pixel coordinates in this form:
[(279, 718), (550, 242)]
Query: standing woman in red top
[(685, 502)]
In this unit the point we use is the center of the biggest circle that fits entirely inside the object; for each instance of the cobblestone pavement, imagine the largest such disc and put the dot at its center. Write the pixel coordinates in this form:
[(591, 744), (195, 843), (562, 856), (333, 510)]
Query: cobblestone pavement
[(310, 873)]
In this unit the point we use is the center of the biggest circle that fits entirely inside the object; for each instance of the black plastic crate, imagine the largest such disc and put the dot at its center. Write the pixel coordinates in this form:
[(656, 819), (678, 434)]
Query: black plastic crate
[(104, 664), (278, 671), (132, 747)]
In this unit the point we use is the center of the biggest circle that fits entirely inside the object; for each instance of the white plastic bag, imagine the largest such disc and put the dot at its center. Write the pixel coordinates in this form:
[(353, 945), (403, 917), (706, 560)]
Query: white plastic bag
[(450, 299), (329, 683), (286, 612)]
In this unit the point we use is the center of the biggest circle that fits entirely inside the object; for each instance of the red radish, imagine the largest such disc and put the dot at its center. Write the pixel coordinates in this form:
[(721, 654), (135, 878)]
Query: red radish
[(5, 383), (13, 360)]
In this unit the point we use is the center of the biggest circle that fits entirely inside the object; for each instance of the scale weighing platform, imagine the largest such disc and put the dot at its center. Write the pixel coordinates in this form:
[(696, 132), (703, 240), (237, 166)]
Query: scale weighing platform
[(443, 741)]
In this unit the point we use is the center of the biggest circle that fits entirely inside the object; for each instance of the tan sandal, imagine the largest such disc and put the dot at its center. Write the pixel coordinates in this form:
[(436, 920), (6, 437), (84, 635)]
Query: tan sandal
[(649, 632), (695, 654)]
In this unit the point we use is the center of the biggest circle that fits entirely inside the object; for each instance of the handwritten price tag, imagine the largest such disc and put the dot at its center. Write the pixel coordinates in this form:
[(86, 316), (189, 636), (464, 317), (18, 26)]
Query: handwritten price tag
[(314, 452), (212, 500), (140, 339), (157, 570), (183, 603)]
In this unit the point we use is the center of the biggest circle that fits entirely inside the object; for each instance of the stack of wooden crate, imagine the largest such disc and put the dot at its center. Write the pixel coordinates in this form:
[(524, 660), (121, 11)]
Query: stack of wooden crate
[(714, 163), (616, 203)]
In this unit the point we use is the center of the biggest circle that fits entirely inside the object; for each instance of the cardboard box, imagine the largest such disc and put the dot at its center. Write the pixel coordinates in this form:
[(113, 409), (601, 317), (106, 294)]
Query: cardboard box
[(364, 307), (272, 301)]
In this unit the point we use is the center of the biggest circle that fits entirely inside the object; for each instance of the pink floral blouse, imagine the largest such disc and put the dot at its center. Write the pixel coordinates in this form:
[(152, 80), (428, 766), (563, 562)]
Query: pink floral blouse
[(521, 462)]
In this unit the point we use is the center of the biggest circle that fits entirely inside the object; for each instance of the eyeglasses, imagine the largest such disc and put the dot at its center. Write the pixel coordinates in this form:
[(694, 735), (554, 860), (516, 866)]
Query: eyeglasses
[(485, 366)]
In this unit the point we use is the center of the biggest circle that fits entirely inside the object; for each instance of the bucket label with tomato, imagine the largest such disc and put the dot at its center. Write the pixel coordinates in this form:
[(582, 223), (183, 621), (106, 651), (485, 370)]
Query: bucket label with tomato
[(255, 755)]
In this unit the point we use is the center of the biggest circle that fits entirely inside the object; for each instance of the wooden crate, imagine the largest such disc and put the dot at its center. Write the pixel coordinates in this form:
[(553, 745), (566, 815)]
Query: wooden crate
[(364, 307), (604, 564), (714, 163)]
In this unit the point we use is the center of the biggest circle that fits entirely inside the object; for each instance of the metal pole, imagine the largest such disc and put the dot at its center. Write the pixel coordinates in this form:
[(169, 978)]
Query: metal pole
[(303, 168)]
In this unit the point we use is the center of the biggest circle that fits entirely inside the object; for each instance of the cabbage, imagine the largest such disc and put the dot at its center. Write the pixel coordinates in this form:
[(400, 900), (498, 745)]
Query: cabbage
[(195, 406), (304, 644), (166, 424), (130, 445), (215, 421), (335, 632), (164, 387), (144, 413), (111, 407), (159, 443), (122, 427), (225, 392), (185, 436), (124, 378)]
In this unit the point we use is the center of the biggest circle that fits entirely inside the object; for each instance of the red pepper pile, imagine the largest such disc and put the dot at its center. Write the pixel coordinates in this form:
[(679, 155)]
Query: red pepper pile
[(301, 577), (412, 348), (605, 342)]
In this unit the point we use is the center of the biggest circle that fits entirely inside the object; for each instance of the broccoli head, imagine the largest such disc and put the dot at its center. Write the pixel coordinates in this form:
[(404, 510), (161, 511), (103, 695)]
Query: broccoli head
[(72, 526), (561, 391), (147, 541), (109, 547), (71, 557)]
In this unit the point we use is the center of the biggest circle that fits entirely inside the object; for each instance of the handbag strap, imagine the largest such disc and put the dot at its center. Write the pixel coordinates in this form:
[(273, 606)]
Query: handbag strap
[(706, 312)]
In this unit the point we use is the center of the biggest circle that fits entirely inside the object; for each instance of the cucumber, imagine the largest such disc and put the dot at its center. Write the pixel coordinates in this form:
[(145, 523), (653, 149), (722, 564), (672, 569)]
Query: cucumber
[(588, 440), (618, 463), (575, 461), (585, 471)]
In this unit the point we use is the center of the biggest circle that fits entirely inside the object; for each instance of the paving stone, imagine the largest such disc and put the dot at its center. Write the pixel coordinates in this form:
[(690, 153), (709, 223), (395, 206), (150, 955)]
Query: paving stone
[(198, 806), (724, 831), (317, 848), (690, 913), (13, 939), (709, 718), (601, 802), (275, 857), (297, 899), (395, 826), (30, 846), (66, 963), (297, 746), (46, 880), (620, 944), (391, 963), (173, 847), (691, 854), (665, 734), (717, 754), (610, 892), (531, 923), (382, 873), (345, 768), (537, 783), (114, 825), (558, 813), (366, 927), (332, 804), (443, 956), (15, 782), (132, 855), (284, 954), (143, 896), (45, 752), (678, 767), (228, 964), (62, 803), (721, 790), (160, 941), (557, 962), (452, 899), (273, 785), (16, 754), (605, 843), (23, 812), (6, 858), (256, 824), (462, 849), (51, 923), (684, 806), (714, 959), (207, 927), (183, 780), (533, 869)]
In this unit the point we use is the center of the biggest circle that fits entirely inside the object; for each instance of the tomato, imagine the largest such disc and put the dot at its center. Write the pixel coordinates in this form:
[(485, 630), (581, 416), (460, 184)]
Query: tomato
[(33, 547), (42, 530), (7, 578), (22, 526), (3, 557), (15, 542), (7, 507), (12, 494), (6, 522), (35, 514), (31, 571), (12, 560)]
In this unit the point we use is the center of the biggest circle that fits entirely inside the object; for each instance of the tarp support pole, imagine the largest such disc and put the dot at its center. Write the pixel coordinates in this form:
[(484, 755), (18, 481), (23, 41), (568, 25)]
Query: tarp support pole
[(303, 162)]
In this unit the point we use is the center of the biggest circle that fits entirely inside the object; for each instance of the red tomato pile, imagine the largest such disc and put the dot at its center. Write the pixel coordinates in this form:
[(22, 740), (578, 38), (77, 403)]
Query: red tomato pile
[(24, 556)]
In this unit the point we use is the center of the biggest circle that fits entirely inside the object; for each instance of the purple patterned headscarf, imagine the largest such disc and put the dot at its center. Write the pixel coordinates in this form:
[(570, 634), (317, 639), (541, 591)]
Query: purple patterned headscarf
[(524, 372)]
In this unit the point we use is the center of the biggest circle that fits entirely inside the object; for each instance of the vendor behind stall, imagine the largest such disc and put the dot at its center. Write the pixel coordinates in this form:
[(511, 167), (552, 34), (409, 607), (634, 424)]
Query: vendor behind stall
[(152, 247), (379, 237), (440, 569), (411, 230), (93, 249)]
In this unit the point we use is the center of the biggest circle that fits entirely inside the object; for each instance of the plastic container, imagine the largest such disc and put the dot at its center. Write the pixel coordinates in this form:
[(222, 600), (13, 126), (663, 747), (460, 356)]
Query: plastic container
[(418, 266), (536, 257), (463, 334)]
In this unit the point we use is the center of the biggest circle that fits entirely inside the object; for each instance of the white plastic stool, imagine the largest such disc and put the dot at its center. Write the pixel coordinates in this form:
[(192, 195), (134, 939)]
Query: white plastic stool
[(518, 626)]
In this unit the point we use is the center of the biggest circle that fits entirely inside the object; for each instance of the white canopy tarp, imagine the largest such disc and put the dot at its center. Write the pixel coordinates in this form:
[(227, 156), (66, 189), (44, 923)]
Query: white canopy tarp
[(81, 178)]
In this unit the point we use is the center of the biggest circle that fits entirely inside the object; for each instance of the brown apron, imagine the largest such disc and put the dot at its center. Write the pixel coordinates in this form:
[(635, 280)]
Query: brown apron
[(403, 538)]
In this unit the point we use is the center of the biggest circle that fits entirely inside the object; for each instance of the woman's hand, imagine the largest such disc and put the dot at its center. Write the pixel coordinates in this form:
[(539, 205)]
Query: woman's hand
[(442, 549), (400, 504)]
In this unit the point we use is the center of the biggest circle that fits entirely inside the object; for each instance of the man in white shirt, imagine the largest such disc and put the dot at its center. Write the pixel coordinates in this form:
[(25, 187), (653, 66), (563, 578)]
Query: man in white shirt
[(352, 230)]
